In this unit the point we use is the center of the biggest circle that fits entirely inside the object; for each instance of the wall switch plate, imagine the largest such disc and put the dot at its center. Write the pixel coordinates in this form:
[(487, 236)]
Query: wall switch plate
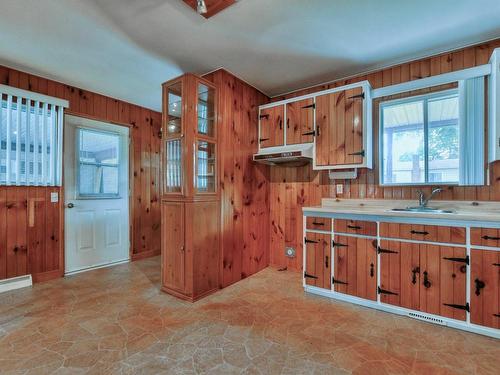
[(54, 197), (290, 252), (339, 188)]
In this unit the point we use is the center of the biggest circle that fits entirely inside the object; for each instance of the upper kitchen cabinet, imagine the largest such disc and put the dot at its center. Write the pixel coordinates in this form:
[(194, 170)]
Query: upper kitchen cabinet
[(300, 121), (271, 128), (344, 128), (189, 137)]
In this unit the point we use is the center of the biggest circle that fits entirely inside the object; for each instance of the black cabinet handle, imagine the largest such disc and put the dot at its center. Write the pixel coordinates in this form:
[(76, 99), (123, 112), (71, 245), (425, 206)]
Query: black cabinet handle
[(15, 249), (327, 261), (372, 270), (288, 123), (479, 285), (281, 124), (414, 274), (317, 223), (317, 130), (353, 227), (490, 238), (427, 283), (419, 232)]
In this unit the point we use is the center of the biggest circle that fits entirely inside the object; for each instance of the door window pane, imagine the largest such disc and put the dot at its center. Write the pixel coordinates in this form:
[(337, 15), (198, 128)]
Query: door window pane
[(173, 170), (98, 163), (206, 110), (174, 121)]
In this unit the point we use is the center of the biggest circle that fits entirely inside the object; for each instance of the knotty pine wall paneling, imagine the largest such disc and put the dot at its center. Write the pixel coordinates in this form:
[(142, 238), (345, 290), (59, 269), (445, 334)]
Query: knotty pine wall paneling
[(244, 185), (293, 188), (33, 243)]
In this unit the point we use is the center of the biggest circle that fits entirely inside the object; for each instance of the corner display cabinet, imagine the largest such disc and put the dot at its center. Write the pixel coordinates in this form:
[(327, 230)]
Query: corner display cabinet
[(190, 213)]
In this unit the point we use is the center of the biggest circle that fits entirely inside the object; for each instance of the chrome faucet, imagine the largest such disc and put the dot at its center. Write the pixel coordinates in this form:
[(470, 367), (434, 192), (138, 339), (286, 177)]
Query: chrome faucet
[(422, 200)]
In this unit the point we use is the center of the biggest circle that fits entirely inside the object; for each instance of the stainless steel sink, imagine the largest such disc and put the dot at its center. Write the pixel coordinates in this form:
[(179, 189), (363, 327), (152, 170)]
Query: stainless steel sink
[(423, 210)]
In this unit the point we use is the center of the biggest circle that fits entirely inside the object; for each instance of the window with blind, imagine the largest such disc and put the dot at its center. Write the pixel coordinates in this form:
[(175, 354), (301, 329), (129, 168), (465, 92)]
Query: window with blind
[(30, 138)]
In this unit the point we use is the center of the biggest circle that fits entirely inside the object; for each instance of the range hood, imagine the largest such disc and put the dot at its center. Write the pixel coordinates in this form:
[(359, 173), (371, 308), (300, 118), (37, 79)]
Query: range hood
[(286, 156)]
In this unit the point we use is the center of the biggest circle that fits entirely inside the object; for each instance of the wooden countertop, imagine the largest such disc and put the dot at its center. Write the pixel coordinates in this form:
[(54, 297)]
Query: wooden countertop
[(463, 211)]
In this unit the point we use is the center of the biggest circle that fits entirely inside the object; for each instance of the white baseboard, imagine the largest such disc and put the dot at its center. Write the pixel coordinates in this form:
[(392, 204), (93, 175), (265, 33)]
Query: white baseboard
[(15, 283)]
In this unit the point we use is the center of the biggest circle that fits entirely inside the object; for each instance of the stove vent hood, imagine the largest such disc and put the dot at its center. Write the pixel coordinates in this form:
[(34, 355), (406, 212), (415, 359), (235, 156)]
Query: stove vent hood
[(286, 156)]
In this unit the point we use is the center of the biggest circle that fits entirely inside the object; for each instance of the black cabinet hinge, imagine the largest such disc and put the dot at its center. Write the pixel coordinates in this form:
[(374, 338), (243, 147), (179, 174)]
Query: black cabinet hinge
[(317, 223), (266, 116), (338, 282), (424, 233), (496, 264), (460, 307), (357, 153), (309, 106), (462, 260), (385, 251), (336, 244), (490, 238), (263, 139), (497, 315), (359, 96), (306, 240), (383, 291), (306, 275), (313, 133)]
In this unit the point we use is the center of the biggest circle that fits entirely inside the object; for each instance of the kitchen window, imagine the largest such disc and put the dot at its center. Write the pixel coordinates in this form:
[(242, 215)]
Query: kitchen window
[(435, 138)]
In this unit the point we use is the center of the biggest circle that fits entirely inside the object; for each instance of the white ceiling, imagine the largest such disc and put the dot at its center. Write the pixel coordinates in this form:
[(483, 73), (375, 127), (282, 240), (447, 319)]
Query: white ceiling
[(127, 48)]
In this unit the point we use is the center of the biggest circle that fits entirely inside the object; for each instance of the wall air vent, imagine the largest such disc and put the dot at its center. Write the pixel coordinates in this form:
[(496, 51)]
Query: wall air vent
[(426, 318)]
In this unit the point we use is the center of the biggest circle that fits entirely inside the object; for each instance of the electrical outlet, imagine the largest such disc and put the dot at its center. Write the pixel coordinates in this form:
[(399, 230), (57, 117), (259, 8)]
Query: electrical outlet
[(290, 252), (340, 189)]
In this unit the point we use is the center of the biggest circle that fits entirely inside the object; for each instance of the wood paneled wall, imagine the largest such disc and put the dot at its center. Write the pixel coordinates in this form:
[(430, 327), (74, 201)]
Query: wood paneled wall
[(244, 184), (293, 188), (39, 249)]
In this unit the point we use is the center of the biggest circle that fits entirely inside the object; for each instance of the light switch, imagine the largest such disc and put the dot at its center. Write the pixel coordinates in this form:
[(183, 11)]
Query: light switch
[(340, 189), (54, 197)]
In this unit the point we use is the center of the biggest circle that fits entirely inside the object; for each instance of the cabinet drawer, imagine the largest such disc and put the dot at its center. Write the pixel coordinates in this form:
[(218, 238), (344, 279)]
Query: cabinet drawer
[(319, 223), (485, 237), (434, 233), (368, 228)]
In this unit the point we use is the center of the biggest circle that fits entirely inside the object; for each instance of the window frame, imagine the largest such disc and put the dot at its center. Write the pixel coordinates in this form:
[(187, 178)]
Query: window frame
[(410, 99), (78, 194)]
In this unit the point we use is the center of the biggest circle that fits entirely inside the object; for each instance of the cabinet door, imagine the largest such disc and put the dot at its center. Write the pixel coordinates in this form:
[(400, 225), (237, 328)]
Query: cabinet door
[(339, 127), (390, 272), (410, 275), (173, 254), (453, 282), (355, 266), (318, 262), (300, 122), (430, 279), (271, 127), (485, 288)]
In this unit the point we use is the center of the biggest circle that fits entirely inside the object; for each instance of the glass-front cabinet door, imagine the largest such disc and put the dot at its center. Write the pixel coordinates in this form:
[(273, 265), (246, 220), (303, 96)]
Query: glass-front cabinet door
[(206, 110), (205, 167), (173, 165), (173, 134), (174, 109)]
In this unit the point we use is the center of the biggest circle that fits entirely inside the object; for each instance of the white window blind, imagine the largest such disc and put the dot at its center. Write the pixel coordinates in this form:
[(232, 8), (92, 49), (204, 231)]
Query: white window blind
[(31, 128)]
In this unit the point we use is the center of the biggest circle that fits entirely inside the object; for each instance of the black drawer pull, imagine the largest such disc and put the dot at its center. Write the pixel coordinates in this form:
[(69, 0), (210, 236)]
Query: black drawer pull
[(353, 227), (372, 270), (479, 285), (357, 153), (317, 223), (461, 307), (383, 291), (427, 283), (419, 232), (462, 260), (306, 275), (338, 282), (281, 124), (336, 244), (385, 251), (491, 238), (306, 240)]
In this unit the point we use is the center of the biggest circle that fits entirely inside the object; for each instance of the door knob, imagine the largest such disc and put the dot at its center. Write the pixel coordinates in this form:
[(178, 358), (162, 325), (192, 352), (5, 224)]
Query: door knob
[(70, 205)]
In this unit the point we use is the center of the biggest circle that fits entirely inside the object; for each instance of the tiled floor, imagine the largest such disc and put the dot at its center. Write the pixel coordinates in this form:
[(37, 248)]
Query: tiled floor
[(115, 321)]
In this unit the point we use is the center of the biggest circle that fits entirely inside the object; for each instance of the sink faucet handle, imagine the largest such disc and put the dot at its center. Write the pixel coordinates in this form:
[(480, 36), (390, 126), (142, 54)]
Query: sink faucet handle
[(421, 197)]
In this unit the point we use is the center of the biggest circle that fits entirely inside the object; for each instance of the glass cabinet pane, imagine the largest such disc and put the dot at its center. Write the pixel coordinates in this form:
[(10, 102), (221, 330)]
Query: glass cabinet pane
[(205, 167), (173, 166), (174, 105), (206, 110)]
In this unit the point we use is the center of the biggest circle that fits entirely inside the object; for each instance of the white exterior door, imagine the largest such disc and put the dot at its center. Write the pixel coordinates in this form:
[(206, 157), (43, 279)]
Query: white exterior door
[(96, 186)]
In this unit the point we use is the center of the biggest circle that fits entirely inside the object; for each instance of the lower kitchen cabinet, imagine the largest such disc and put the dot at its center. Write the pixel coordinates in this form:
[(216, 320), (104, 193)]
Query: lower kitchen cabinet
[(485, 288), (355, 272), (318, 263), (424, 277)]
